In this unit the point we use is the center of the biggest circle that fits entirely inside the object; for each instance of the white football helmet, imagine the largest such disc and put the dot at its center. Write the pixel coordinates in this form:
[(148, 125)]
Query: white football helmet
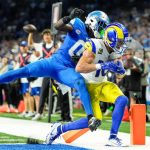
[(97, 21)]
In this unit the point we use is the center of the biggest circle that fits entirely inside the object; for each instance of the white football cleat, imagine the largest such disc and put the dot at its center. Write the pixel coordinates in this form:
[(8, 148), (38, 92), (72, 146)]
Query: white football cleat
[(53, 134), (116, 142)]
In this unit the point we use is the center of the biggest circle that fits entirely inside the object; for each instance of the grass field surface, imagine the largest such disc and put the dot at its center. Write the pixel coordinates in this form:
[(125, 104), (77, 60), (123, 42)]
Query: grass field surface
[(78, 113)]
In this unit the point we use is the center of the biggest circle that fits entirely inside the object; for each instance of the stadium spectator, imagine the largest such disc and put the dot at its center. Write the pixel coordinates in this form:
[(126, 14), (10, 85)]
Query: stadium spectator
[(35, 83), (24, 59), (46, 49), (6, 87), (134, 68)]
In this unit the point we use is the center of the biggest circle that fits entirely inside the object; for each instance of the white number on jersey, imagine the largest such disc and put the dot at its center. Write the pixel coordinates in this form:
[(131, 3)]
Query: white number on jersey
[(77, 49)]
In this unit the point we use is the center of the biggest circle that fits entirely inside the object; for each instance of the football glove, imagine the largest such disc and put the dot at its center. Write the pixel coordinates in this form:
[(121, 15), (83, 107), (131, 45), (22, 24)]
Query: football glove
[(120, 69), (76, 13), (109, 66), (113, 67)]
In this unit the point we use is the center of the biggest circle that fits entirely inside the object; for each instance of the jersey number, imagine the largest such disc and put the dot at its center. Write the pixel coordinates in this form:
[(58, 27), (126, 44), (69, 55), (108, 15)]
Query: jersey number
[(77, 49), (103, 73)]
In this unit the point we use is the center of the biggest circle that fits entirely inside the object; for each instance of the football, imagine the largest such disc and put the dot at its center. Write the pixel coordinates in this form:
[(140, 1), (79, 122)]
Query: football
[(29, 28)]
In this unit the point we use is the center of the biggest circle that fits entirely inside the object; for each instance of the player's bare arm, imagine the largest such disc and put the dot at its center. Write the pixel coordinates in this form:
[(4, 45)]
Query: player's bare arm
[(61, 26), (85, 64)]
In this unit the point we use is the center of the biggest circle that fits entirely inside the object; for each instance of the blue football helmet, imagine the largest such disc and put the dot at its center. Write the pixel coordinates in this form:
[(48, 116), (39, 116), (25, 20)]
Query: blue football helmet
[(97, 21), (116, 36)]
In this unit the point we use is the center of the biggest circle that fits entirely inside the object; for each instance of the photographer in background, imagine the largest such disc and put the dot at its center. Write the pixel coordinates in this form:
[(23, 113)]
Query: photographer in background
[(134, 69)]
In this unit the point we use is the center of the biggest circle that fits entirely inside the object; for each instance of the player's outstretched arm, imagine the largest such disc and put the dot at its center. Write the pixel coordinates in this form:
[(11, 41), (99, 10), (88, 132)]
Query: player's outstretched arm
[(63, 23)]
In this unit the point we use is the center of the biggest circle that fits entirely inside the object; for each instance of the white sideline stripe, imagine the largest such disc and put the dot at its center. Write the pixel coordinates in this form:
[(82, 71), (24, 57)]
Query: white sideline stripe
[(92, 140), (24, 128)]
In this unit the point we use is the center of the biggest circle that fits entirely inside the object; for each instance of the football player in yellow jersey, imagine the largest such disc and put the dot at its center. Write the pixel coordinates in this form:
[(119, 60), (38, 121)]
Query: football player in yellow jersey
[(94, 65)]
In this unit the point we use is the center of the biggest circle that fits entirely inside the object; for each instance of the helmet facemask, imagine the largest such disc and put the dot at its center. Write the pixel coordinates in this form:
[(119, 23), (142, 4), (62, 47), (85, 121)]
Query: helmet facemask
[(120, 47)]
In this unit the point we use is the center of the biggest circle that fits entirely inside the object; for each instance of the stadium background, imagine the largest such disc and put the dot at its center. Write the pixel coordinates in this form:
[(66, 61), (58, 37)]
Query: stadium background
[(14, 14)]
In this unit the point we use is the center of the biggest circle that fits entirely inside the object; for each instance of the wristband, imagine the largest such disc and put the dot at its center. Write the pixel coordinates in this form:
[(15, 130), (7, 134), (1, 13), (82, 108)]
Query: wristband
[(98, 66), (66, 19)]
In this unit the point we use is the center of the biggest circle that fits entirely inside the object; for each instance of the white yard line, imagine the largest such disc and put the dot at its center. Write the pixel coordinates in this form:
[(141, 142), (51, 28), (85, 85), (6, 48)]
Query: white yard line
[(92, 140)]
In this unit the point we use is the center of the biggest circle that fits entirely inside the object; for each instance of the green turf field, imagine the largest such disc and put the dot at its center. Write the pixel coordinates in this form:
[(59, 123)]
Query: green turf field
[(78, 113), (6, 138)]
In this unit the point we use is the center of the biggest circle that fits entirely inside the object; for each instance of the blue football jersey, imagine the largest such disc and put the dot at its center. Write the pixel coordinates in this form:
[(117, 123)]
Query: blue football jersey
[(73, 45)]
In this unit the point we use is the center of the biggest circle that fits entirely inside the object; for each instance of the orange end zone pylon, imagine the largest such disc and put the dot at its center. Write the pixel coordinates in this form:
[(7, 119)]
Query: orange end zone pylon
[(72, 135), (126, 115), (138, 124)]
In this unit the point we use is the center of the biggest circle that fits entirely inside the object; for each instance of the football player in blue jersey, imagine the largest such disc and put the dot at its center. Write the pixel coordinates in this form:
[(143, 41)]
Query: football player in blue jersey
[(61, 66)]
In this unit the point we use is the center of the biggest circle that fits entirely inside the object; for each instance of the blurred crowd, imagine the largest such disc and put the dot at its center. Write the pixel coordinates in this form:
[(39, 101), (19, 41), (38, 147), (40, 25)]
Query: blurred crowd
[(14, 14), (134, 14)]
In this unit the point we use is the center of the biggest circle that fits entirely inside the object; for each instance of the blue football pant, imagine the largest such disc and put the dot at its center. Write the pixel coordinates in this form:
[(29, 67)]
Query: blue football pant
[(117, 115), (53, 68)]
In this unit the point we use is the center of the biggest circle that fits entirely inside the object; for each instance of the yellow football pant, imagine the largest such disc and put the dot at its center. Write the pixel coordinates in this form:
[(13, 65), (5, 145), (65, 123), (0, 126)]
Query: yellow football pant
[(105, 92)]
